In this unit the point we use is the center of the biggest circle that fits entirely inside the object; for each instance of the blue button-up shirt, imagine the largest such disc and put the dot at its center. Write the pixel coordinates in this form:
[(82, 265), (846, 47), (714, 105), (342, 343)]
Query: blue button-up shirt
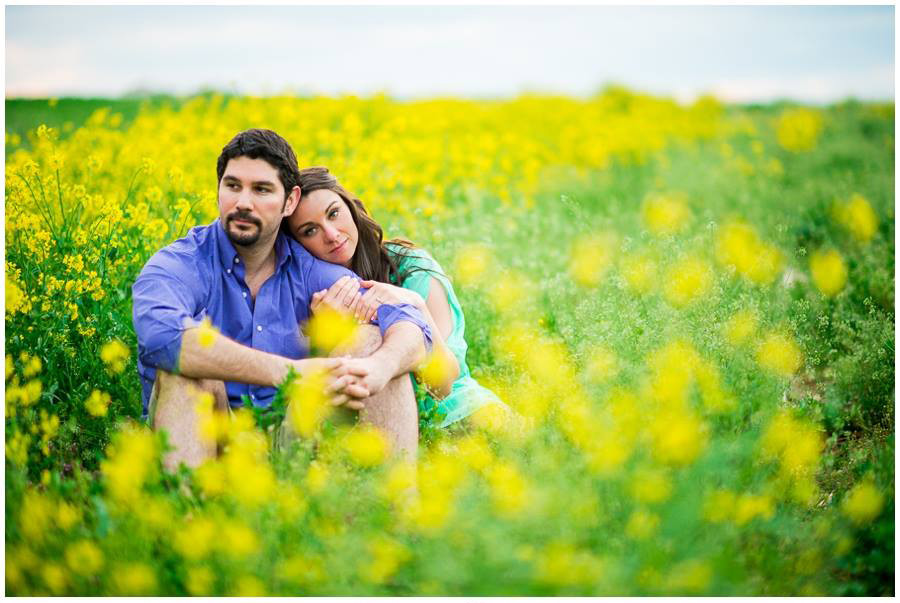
[(201, 275)]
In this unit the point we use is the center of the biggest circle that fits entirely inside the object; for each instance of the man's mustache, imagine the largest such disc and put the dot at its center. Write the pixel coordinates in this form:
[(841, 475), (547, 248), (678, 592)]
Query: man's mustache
[(245, 217)]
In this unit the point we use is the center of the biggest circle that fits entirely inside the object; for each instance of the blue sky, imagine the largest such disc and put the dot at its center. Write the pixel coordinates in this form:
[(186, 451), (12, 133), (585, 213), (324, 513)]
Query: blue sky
[(738, 53)]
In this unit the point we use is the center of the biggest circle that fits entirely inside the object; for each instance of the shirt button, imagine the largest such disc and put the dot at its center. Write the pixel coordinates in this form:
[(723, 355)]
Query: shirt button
[(228, 271), (237, 261), (259, 327), (244, 293)]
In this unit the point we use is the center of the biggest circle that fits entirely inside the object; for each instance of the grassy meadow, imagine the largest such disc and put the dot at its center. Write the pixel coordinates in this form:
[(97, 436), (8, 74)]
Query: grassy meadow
[(690, 306)]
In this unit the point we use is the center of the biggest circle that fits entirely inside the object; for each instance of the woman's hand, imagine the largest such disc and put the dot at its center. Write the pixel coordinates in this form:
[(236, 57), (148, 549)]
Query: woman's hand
[(383, 293), (343, 296)]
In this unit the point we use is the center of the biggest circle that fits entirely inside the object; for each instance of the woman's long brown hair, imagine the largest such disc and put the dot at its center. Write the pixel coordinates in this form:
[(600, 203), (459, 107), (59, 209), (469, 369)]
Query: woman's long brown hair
[(371, 260)]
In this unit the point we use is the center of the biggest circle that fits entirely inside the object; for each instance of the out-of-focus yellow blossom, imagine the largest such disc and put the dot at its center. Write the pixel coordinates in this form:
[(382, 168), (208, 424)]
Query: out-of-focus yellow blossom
[(131, 460), (303, 570), (330, 328), (740, 327), (249, 586), (739, 245), (719, 506), (665, 213), (399, 482), (366, 445), (435, 371), (308, 406), (678, 437), (210, 476), (510, 493), (236, 539), (602, 364), (17, 299), (863, 503), (195, 539), (472, 262), (36, 515), (691, 576), (17, 448), (591, 257), (10, 366), (639, 271), (384, 559), (55, 578), (291, 502), (829, 272), (687, 280), (798, 129), (199, 581), (749, 507), (316, 477), (475, 452), (642, 525), (857, 216), (114, 355), (67, 515), (97, 403), (564, 565), (32, 365), (251, 480), (84, 558), (779, 353), (650, 485), (206, 333), (133, 579), (796, 445)]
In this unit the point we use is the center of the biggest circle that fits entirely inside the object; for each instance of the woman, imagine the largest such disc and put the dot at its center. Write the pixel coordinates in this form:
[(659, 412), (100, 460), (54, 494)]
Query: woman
[(334, 226)]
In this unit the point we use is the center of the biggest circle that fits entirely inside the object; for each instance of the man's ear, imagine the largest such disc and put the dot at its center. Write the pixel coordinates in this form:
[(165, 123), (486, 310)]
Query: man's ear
[(290, 204)]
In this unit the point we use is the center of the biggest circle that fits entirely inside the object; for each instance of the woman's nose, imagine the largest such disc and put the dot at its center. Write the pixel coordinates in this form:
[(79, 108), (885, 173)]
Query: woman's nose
[(330, 232)]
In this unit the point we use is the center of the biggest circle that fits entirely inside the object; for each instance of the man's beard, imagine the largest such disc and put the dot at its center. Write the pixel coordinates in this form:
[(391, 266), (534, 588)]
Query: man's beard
[(245, 239)]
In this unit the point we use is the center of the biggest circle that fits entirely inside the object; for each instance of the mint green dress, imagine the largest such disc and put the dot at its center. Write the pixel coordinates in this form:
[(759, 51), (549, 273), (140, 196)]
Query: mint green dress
[(466, 395)]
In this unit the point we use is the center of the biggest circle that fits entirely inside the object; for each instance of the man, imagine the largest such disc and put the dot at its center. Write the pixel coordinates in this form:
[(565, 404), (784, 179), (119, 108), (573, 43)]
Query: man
[(254, 284)]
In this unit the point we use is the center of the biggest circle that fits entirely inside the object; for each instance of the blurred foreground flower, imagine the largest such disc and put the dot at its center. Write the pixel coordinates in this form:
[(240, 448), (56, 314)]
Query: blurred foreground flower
[(97, 403), (329, 328), (687, 280), (591, 257), (863, 503), (366, 445), (829, 272), (798, 129), (665, 213), (780, 354), (114, 355), (739, 245), (471, 263), (857, 216)]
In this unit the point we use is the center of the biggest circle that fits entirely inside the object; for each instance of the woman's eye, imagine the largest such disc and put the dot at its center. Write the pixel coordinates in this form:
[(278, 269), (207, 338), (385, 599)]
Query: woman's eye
[(333, 213), (308, 232)]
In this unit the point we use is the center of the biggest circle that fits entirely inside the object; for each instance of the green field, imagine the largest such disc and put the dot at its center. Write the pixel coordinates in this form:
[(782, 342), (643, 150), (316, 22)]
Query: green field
[(610, 311)]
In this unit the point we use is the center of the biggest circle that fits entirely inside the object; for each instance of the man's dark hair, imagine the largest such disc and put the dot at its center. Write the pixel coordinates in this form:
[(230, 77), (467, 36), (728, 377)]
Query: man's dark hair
[(265, 145)]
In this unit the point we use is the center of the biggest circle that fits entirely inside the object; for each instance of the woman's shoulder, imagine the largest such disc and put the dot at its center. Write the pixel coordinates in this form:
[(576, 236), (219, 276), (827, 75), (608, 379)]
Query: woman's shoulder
[(412, 256)]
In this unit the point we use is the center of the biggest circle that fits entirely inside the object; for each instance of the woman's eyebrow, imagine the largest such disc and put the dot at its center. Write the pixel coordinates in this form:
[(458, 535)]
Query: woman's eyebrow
[(310, 222)]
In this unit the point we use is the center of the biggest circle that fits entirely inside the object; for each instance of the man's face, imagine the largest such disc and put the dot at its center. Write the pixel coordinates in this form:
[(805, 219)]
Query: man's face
[(251, 201)]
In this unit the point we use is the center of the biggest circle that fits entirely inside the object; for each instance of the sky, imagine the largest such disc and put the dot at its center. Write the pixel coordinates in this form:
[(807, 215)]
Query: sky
[(815, 54)]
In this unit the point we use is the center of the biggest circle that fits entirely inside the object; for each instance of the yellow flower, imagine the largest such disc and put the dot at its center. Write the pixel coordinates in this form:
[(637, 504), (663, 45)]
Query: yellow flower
[(199, 581), (308, 406), (693, 576), (384, 559), (134, 579), (10, 367), (55, 578), (740, 327), (206, 333), (857, 216), (316, 477), (863, 503), (97, 403), (366, 445), (435, 371), (739, 246), (678, 437), (829, 272), (131, 461), (749, 507), (650, 485), (564, 565), (719, 506), (84, 557), (249, 586), (687, 280), (798, 129), (196, 538), (114, 355), (591, 257), (779, 353), (237, 539), (329, 328), (665, 214), (641, 525), (509, 491)]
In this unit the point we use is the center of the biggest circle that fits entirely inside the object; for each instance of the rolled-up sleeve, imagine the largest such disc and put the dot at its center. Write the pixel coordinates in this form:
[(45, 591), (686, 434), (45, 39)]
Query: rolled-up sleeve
[(322, 275), (164, 305)]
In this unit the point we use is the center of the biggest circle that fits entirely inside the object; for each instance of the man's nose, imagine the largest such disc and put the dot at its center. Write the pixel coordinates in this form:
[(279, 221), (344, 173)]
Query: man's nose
[(245, 200)]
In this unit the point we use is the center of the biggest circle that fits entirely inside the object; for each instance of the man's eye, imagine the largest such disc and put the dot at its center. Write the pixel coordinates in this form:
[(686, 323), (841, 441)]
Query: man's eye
[(232, 185)]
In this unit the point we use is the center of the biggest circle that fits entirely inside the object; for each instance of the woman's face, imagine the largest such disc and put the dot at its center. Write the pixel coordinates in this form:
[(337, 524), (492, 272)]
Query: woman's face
[(323, 225)]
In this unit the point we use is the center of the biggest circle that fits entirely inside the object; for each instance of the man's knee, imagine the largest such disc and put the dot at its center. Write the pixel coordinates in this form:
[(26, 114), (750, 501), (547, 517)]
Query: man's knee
[(366, 341)]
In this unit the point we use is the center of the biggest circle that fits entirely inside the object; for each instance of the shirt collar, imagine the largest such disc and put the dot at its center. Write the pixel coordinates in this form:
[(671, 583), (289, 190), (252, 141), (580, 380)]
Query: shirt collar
[(228, 254)]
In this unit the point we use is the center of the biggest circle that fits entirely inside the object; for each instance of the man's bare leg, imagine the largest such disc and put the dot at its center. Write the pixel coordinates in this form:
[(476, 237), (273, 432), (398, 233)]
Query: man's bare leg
[(393, 410), (175, 411)]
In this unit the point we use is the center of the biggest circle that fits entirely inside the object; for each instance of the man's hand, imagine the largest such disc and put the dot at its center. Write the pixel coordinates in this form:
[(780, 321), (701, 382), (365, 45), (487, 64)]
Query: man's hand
[(372, 375)]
